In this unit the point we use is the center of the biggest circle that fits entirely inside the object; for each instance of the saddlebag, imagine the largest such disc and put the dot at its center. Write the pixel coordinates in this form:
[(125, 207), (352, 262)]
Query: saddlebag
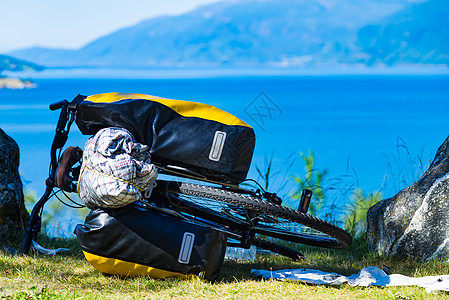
[(192, 135), (136, 241)]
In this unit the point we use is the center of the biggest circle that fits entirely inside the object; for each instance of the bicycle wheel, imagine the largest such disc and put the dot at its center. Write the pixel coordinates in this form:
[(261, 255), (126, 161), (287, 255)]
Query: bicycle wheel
[(236, 228), (241, 212)]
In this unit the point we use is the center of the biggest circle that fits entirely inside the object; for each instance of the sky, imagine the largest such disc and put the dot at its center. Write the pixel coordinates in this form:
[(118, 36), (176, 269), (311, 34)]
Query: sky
[(72, 24)]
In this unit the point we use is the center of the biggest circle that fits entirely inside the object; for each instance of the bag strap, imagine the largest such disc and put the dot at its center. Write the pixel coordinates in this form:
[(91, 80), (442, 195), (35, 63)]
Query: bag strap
[(77, 100)]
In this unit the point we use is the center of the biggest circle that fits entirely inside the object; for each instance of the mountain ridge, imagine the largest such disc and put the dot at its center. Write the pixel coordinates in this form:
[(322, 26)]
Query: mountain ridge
[(282, 33), (9, 63)]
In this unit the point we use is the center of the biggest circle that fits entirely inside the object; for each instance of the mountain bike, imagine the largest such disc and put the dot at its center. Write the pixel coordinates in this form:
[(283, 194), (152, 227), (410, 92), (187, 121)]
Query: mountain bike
[(249, 216)]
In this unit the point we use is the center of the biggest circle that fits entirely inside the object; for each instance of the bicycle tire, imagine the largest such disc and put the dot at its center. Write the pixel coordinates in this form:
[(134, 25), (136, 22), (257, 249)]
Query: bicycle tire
[(336, 238), (258, 242), (198, 211)]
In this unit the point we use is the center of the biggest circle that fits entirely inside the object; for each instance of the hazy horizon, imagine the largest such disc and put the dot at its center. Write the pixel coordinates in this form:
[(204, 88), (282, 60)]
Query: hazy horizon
[(73, 24)]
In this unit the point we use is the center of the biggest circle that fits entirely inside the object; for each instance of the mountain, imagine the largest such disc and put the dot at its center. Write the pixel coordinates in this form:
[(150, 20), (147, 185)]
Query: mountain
[(8, 63), (418, 34), (268, 33)]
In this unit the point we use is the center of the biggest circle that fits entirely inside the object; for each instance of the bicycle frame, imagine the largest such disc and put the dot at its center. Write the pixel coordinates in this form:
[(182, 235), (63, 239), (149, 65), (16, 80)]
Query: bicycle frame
[(65, 121), (66, 118)]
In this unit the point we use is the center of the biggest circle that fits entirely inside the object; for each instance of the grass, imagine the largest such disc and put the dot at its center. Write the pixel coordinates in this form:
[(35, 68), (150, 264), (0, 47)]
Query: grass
[(69, 276)]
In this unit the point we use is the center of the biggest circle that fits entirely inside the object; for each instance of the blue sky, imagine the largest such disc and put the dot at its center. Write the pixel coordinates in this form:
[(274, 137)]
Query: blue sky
[(73, 23)]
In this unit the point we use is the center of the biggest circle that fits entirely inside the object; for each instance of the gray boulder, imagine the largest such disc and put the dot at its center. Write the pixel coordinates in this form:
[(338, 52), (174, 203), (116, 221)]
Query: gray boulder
[(415, 222), (13, 215)]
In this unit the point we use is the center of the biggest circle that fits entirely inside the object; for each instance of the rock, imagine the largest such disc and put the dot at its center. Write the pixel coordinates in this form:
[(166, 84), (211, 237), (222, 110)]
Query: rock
[(13, 215), (415, 222), (15, 83)]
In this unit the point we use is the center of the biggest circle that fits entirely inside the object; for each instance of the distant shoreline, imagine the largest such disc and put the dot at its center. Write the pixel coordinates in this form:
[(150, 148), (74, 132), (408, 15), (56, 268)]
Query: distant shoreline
[(181, 73), (16, 83)]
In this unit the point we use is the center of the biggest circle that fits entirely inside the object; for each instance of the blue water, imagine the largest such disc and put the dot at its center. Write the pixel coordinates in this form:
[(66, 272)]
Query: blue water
[(372, 130)]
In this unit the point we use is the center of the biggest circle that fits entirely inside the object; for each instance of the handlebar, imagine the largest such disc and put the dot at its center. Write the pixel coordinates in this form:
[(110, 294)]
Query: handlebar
[(58, 105), (61, 134)]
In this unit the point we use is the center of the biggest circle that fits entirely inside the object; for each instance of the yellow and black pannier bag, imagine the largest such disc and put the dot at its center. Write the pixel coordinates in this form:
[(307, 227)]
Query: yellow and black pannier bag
[(132, 241), (193, 135)]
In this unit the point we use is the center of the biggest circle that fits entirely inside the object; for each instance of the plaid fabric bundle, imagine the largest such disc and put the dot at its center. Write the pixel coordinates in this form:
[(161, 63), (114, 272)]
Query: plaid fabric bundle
[(116, 170)]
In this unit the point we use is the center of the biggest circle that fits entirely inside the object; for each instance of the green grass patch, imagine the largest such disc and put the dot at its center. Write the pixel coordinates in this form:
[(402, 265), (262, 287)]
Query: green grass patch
[(69, 276)]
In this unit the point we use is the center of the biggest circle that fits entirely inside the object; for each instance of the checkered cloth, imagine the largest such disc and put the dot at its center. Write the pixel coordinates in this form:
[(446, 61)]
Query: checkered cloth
[(116, 170)]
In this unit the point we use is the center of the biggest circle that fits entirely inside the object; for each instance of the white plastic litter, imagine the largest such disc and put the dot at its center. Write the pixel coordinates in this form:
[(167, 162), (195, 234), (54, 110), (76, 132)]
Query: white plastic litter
[(366, 277), (45, 251)]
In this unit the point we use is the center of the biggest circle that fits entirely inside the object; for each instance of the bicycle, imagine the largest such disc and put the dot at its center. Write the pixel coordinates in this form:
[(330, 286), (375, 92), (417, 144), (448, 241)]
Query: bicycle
[(217, 201)]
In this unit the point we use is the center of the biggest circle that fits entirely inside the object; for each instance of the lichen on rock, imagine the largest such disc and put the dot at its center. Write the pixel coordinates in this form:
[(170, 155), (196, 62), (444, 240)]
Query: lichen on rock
[(415, 222)]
